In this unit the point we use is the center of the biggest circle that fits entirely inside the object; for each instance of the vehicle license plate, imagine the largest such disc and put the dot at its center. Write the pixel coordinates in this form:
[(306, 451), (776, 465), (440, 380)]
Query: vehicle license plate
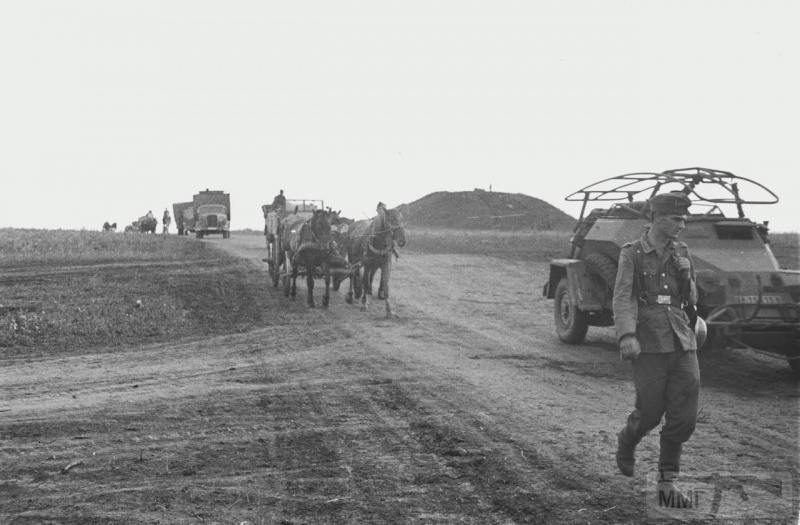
[(753, 299)]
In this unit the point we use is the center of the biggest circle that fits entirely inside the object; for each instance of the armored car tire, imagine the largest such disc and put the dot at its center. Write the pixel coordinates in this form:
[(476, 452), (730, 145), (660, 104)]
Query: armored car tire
[(571, 323), (603, 267)]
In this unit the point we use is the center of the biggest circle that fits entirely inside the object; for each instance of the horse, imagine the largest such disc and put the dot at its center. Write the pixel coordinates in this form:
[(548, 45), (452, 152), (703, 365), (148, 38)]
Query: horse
[(306, 242), (112, 227), (147, 224), (370, 246)]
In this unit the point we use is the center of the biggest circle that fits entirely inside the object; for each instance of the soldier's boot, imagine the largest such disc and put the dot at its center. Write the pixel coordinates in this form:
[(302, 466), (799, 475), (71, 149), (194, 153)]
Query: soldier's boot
[(626, 452), (669, 493), (669, 464)]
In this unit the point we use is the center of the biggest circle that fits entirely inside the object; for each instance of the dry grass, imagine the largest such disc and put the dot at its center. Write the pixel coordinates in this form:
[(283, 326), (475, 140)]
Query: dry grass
[(543, 245), (786, 247), (56, 247), (535, 245), (64, 290)]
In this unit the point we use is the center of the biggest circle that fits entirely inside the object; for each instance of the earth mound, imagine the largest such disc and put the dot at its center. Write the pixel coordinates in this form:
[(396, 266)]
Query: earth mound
[(485, 210)]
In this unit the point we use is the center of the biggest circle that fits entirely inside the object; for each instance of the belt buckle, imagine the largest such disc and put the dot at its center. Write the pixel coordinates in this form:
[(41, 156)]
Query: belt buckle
[(664, 299)]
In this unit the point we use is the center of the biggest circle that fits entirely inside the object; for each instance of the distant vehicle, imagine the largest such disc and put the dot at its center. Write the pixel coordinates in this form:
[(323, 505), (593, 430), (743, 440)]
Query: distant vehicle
[(209, 212), (746, 300), (183, 212)]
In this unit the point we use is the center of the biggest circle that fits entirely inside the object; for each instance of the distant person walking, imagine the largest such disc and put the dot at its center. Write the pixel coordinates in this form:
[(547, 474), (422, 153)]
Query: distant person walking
[(166, 220)]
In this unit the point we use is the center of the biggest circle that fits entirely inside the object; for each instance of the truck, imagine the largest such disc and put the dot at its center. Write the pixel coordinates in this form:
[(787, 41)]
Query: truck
[(183, 212), (208, 212), (746, 300)]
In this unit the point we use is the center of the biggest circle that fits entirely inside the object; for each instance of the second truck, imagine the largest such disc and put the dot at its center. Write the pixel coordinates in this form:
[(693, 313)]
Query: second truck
[(207, 213)]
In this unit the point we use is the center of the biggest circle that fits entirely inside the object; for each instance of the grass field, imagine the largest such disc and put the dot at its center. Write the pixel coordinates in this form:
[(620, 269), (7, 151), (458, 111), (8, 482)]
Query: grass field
[(60, 247), (539, 245), (65, 290), (786, 247), (534, 245)]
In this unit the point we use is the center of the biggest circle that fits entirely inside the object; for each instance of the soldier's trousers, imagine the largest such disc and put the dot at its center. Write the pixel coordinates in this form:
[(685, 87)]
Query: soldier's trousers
[(666, 385)]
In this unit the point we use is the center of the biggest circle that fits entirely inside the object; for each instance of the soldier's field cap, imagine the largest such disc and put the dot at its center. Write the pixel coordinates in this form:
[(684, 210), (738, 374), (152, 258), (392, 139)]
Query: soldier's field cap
[(672, 203)]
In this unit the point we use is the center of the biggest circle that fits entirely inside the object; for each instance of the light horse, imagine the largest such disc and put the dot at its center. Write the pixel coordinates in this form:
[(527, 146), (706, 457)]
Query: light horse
[(306, 243), (371, 245)]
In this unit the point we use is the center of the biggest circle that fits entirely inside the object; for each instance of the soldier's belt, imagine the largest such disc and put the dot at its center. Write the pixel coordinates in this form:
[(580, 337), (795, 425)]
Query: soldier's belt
[(670, 300)]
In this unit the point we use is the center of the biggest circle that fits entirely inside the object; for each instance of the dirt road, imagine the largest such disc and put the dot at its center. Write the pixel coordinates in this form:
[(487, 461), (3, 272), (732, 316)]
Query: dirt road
[(463, 408)]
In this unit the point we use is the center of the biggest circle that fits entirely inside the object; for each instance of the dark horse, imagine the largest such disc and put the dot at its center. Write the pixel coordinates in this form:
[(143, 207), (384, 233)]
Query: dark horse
[(370, 245), (147, 224), (306, 243)]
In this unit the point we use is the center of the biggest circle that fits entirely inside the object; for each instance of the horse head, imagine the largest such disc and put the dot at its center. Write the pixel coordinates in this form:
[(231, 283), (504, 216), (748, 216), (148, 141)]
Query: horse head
[(320, 225), (393, 222)]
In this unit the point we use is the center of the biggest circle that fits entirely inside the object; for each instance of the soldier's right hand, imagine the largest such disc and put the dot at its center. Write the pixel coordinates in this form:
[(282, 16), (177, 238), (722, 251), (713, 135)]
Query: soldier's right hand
[(629, 348)]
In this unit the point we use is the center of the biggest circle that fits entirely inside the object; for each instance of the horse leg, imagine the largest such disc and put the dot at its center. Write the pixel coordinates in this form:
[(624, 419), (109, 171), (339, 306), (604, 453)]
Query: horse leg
[(358, 283), (381, 290), (354, 276), (326, 299), (386, 271), (365, 291), (310, 286), (294, 281)]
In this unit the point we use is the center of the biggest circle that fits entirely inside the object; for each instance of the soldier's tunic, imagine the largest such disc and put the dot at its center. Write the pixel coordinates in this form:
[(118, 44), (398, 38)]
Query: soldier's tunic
[(648, 296)]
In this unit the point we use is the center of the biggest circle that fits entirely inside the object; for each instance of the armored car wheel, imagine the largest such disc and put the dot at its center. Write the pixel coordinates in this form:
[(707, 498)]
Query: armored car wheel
[(571, 324)]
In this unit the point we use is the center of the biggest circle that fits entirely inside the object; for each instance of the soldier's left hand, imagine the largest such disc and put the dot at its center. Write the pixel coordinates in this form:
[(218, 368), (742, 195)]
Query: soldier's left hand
[(684, 265)]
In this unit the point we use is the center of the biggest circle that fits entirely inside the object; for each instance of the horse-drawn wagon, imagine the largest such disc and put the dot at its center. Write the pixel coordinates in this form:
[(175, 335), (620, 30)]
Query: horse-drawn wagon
[(300, 242)]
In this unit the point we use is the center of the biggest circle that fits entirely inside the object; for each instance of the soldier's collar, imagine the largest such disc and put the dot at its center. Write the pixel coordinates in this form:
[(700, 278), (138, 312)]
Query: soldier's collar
[(647, 247)]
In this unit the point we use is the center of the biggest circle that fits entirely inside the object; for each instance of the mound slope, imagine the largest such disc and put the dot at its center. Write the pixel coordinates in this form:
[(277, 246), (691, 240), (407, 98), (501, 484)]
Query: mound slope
[(485, 210)]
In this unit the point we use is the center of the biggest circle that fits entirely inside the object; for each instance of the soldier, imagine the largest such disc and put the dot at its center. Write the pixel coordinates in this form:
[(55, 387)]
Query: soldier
[(654, 281), (166, 219), (279, 202), (381, 209)]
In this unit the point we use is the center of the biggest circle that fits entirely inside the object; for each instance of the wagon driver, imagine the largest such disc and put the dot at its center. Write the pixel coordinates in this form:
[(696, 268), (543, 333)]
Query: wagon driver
[(279, 202), (654, 280)]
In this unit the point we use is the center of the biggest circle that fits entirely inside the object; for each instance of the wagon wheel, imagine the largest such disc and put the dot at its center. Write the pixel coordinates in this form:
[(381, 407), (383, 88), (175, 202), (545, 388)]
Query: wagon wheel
[(287, 270), (274, 262)]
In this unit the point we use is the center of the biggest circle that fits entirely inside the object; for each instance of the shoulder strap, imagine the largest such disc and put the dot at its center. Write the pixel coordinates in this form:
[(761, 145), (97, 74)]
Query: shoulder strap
[(638, 280)]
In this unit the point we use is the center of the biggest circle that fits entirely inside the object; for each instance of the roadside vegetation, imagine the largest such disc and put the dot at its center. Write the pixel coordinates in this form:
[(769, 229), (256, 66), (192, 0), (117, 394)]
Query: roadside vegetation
[(544, 245), (786, 248), (66, 290), (64, 247), (535, 245)]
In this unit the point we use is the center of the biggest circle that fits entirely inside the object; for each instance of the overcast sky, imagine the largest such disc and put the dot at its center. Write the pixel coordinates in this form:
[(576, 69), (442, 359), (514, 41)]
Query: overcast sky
[(111, 108)]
